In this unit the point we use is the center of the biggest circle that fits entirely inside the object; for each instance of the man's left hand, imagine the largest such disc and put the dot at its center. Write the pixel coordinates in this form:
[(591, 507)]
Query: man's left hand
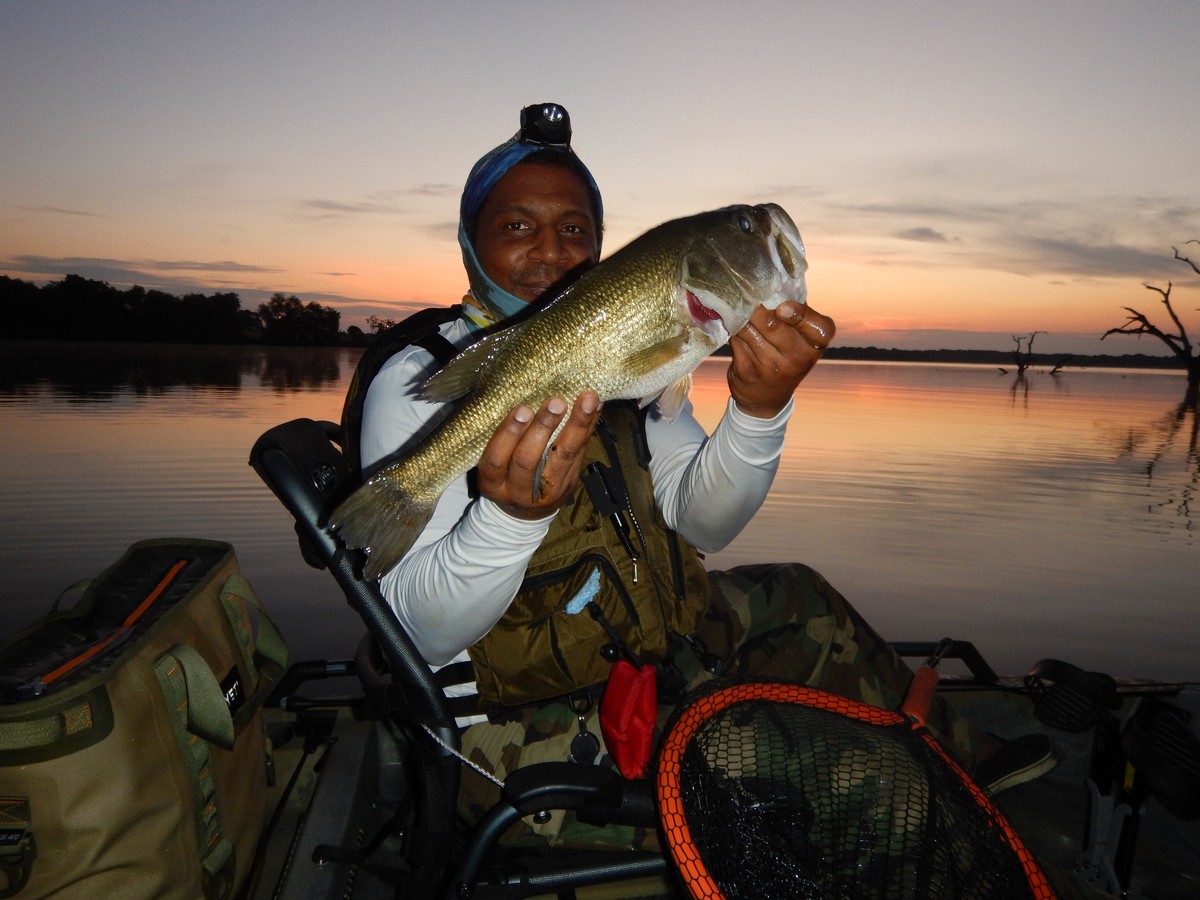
[(773, 353)]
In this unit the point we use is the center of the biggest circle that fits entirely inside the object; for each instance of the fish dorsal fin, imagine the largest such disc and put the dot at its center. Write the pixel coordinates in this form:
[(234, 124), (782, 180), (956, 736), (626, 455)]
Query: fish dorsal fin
[(671, 400), (459, 376)]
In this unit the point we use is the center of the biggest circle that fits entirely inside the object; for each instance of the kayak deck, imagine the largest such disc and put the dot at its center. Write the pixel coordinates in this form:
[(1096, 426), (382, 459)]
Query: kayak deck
[(351, 784)]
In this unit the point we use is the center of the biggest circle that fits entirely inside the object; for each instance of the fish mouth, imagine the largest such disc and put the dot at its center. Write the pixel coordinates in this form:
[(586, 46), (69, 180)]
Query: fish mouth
[(729, 272), (707, 319), (699, 311), (785, 248)]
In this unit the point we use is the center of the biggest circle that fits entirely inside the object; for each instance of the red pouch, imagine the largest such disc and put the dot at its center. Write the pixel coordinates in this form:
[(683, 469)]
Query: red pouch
[(628, 713)]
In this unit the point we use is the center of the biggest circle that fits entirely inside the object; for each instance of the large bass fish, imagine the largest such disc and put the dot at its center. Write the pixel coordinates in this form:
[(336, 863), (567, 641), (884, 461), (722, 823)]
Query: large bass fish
[(632, 328)]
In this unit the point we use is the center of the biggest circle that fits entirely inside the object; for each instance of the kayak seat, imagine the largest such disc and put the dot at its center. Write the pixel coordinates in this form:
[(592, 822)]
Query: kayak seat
[(302, 463)]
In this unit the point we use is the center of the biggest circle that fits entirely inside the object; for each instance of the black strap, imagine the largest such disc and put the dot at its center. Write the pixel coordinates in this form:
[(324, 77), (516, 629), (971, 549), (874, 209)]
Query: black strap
[(461, 672), (421, 328)]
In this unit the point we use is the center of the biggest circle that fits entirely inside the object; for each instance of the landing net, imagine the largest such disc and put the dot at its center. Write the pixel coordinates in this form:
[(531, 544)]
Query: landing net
[(770, 789)]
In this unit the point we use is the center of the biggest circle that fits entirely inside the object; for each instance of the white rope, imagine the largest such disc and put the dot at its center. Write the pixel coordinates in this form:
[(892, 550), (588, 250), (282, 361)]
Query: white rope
[(482, 771)]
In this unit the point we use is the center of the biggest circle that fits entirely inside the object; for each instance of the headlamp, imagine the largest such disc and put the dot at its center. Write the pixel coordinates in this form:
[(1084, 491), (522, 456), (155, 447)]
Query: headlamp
[(545, 124)]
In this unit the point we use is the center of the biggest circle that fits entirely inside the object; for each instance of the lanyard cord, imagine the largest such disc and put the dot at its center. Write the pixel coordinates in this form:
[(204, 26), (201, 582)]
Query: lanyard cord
[(482, 771)]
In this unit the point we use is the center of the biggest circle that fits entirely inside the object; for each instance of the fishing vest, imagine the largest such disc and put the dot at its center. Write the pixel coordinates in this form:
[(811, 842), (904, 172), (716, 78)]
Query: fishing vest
[(609, 579)]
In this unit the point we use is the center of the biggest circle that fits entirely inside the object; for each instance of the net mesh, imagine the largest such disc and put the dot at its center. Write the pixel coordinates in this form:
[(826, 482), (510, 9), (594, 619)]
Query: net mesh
[(775, 790)]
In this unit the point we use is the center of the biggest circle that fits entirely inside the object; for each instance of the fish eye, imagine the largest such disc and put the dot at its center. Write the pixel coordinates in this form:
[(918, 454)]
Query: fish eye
[(745, 224)]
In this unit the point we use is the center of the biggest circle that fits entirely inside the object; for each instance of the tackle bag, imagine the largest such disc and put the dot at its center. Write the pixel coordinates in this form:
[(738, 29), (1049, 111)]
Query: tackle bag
[(133, 761)]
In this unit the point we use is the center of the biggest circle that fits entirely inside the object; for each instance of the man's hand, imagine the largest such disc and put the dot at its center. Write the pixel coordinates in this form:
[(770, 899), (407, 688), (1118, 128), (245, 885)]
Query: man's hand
[(510, 461), (773, 353)]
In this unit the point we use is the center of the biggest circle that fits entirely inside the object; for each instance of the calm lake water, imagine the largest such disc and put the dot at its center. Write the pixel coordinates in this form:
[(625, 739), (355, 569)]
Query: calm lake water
[(1049, 518)]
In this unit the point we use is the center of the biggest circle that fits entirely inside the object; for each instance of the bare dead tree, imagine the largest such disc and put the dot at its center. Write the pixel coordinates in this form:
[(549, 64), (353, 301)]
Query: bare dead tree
[(1024, 358), (1138, 323)]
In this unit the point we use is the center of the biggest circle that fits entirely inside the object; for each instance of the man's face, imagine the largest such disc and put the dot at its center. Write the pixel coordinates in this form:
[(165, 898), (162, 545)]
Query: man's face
[(535, 227)]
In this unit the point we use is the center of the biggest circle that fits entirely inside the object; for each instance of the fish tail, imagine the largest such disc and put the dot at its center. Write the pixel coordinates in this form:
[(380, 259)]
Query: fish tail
[(382, 518)]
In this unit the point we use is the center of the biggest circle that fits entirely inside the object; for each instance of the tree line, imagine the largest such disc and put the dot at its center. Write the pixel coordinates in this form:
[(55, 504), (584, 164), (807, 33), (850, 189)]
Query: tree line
[(83, 309)]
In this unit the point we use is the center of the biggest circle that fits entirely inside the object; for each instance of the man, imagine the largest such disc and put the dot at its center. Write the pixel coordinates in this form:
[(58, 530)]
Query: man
[(501, 573)]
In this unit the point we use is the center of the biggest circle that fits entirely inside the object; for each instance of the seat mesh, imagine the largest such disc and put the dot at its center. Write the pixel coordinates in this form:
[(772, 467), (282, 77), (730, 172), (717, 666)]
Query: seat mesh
[(774, 790)]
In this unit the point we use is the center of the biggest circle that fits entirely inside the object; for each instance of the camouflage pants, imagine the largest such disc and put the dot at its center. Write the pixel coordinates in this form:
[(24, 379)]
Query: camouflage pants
[(770, 620)]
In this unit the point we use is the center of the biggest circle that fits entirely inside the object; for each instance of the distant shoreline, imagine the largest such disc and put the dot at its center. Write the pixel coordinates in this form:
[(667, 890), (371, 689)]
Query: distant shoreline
[(1002, 358)]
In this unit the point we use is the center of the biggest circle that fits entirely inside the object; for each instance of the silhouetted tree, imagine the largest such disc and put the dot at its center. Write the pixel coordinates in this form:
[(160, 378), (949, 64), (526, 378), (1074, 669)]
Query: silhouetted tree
[(211, 319), (1062, 361), (1024, 358), (21, 314), (79, 308), (84, 309), (1138, 323), (286, 320), (378, 325), (153, 314)]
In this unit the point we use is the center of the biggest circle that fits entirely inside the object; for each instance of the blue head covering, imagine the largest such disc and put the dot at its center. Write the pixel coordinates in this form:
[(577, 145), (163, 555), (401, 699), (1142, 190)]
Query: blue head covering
[(545, 127)]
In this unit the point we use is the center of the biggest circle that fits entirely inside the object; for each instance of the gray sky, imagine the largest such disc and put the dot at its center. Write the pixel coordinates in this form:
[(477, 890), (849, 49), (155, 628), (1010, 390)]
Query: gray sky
[(960, 171)]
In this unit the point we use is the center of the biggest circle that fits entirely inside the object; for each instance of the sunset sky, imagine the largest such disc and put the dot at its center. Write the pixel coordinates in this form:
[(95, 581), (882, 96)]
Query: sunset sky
[(961, 172)]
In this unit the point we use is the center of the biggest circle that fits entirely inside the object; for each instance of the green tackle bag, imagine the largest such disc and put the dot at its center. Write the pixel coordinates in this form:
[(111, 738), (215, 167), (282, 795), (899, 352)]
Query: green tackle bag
[(132, 756)]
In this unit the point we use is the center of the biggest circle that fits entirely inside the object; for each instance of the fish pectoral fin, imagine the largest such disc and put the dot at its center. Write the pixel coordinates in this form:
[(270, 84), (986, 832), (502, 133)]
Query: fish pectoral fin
[(670, 401), (649, 359), (456, 379), (459, 376)]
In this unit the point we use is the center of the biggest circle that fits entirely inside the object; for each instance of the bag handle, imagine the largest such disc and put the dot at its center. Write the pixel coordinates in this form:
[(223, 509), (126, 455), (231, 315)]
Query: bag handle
[(258, 637), (78, 587), (206, 712), (196, 706)]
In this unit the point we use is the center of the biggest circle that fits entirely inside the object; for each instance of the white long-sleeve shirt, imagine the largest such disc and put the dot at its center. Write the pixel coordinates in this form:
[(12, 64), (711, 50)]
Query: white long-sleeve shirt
[(464, 570)]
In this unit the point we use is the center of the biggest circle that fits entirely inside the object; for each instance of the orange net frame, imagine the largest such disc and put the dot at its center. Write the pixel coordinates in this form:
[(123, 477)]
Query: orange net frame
[(772, 789)]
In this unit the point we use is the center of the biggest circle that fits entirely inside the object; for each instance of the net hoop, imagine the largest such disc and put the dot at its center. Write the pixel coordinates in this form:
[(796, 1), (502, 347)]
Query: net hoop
[(689, 719)]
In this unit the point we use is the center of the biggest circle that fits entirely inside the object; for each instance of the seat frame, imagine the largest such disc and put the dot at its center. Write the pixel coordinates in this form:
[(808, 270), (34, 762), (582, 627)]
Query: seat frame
[(301, 462)]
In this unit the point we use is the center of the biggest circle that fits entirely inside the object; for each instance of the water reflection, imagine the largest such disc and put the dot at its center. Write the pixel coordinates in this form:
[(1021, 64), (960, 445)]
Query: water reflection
[(1024, 383), (1168, 452), (1165, 450), (302, 368), (1059, 525), (101, 372)]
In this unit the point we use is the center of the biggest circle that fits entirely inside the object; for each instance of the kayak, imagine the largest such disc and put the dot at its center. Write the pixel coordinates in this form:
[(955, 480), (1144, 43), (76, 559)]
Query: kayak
[(1117, 816), (1103, 825)]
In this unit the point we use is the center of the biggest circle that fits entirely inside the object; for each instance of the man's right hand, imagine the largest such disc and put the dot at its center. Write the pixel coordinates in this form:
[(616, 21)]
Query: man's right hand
[(511, 459)]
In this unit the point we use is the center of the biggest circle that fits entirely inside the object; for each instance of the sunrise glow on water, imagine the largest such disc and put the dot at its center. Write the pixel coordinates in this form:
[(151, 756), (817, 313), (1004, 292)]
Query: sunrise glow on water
[(1049, 518)]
